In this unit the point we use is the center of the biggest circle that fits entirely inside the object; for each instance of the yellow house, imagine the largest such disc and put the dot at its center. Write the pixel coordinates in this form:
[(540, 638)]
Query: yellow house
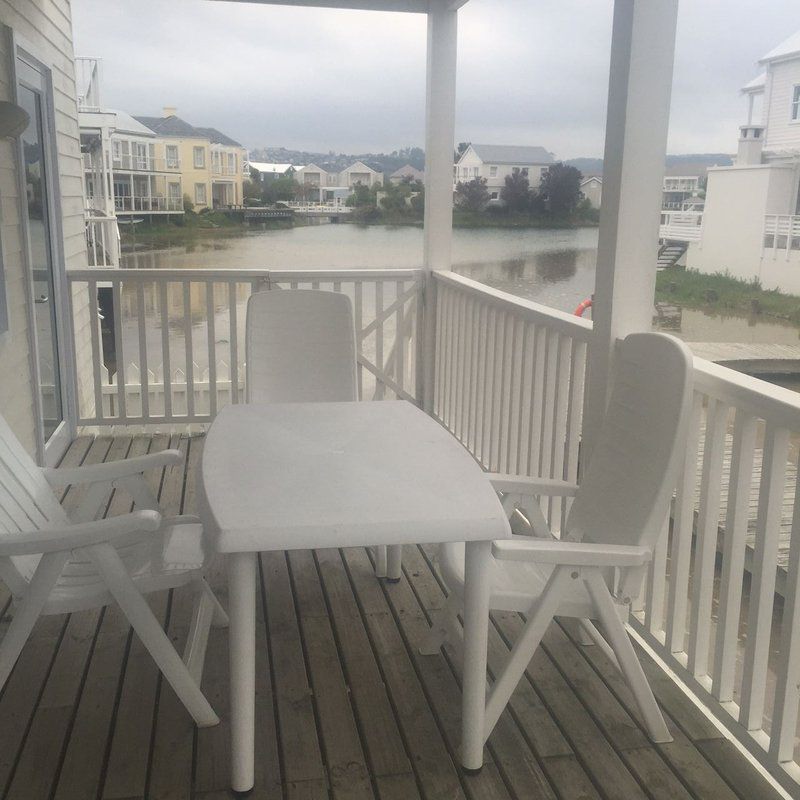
[(211, 163)]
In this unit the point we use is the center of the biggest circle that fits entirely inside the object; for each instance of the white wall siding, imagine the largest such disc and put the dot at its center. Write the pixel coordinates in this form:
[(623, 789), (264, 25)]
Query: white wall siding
[(782, 132), (45, 26)]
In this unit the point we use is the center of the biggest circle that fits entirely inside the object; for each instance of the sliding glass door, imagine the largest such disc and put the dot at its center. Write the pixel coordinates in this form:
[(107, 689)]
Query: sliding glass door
[(38, 181)]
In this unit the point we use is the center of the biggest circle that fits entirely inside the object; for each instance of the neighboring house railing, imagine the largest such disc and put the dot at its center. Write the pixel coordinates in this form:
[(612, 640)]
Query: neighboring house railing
[(681, 226), (318, 208), (143, 163), (782, 233), (124, 203), (721, 603), (175, 353), (102, 241), (219, 169)]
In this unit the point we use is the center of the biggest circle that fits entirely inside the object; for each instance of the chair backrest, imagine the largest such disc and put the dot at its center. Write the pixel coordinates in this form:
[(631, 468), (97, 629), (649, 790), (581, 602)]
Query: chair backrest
[(632, 472), (300, 347), (27, 503)]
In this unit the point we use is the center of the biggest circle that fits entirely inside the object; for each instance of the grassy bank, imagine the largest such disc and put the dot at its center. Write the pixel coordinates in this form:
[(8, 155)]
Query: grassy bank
[(725, 295), (188, 229), (469, 219)]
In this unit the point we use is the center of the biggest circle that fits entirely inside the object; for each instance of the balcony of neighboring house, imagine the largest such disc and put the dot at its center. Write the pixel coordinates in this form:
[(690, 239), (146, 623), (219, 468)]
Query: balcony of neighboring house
[(681, 226), (782, 236)]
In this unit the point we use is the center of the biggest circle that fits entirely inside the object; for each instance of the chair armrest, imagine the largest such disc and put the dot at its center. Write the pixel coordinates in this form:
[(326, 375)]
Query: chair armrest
[(112, 470), (82, 534), (515, 484), (576, 554)]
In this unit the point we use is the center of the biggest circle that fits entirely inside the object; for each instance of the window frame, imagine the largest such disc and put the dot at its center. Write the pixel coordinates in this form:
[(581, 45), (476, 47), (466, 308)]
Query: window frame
[(204, 201), (202, 151), (794, 105)]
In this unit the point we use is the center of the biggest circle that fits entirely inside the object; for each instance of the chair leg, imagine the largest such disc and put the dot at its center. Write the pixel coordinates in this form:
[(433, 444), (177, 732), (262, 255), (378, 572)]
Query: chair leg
[(139, 614), (28, 611), (220, 618), (445, 622), (626, 656)]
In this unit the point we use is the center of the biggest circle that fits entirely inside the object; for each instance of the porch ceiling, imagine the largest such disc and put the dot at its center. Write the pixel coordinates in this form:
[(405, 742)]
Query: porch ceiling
[(414, 6)]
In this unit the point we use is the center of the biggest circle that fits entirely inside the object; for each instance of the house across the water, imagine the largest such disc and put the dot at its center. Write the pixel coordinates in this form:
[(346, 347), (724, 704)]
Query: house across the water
[(496, 162)]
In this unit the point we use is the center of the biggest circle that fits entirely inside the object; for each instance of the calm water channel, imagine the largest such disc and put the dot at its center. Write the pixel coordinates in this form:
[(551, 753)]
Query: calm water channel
[(553, 267)]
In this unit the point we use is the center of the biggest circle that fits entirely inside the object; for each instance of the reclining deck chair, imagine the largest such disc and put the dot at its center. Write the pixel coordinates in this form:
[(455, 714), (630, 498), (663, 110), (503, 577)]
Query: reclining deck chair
[(300, 347), (597, 566), (56, 564)]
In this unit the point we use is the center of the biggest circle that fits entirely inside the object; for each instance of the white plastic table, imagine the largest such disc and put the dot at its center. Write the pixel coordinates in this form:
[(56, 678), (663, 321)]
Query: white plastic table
[(307, 475)]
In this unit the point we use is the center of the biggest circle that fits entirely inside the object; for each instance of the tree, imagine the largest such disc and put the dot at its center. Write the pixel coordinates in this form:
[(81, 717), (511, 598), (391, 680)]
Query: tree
[(561, 189), (472, 195), (277, 189), (462, 146), (251, 189), (517, 192)]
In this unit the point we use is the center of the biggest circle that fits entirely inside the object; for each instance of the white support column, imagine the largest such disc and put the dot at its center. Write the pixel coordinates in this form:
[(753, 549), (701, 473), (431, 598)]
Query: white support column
[(640, 85), (440, 113)]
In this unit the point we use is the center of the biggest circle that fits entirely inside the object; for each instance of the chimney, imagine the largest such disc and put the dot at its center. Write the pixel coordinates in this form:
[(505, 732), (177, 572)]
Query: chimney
[(169, 111), (751, 143)]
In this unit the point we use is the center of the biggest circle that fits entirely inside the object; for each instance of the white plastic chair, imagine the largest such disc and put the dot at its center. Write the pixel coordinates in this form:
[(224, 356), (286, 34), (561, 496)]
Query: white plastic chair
[(300, 346), (597, 567), (56, 564)]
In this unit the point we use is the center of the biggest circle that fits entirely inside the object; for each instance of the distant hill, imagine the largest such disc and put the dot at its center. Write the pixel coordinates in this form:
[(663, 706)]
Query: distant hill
[(686, 164)]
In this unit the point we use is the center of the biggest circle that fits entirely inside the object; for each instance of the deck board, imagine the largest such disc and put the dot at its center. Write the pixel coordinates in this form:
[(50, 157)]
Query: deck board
[(346, 707)]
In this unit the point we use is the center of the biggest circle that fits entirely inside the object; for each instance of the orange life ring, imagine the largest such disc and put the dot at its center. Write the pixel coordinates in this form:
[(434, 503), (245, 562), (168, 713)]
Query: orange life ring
[(579, 311)]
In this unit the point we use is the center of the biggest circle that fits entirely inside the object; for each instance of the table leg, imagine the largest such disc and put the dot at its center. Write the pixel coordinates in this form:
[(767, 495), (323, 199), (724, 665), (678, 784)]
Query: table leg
[(476, 637), (394, 562), (242, 655)]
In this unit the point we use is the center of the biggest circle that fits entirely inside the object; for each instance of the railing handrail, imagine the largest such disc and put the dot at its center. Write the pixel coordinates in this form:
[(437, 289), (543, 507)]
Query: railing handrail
[(222, 275), (577, 327), (769, 402)]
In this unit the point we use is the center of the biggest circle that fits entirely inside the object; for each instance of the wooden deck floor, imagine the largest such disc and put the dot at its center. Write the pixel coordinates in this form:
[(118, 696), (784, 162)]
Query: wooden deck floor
[(346, 707)]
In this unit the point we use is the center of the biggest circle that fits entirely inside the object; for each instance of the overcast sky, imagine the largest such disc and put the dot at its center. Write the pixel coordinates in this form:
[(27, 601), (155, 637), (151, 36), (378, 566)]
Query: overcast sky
[(529, 71)]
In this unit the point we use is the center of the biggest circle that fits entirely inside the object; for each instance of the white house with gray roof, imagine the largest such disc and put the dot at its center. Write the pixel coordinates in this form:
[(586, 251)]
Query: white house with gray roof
[(750, 226), (496, 161)]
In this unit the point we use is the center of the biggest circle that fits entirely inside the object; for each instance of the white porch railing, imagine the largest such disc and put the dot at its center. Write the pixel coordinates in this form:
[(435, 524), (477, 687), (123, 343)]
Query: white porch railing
[(782, 233), (509, 380), (175, 350), (681, 226), (722, 604), (722, 600)]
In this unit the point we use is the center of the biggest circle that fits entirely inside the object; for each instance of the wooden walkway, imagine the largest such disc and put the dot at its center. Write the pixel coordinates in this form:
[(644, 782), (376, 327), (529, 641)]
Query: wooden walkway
[(751, 358), (346, 707)]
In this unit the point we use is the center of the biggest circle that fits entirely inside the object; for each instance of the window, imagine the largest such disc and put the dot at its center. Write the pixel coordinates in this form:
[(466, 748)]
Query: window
[(796, 103), (200, 194), (116, 150), (476, 172), (492, 172), (199, 157), (172, 156), (525, 172)]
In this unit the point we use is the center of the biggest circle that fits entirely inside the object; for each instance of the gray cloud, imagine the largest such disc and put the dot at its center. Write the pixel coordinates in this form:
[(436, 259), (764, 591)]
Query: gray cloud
[(528, 72)]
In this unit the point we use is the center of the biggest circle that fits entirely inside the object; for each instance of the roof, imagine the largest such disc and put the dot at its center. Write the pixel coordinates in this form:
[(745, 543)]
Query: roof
[(309, 167), (590, 179), (359, 165), (788, 47), (178, 128), (269, 167), (407, 170), (756, 85), (217, 137), (512, 154)]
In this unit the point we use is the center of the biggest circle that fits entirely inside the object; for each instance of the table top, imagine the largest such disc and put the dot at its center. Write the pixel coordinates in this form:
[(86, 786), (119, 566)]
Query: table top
[(285, 476)]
